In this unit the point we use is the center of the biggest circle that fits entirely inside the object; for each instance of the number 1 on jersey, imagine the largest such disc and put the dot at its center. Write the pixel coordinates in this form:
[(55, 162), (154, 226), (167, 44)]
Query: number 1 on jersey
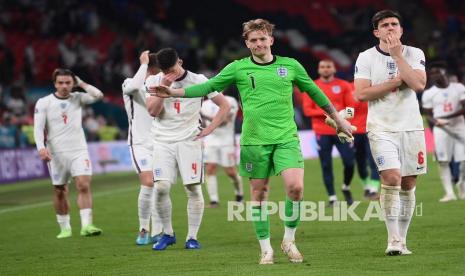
[(177, 106)]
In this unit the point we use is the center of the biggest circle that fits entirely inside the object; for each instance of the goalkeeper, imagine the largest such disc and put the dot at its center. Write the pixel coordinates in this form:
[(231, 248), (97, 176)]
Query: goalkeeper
[(269, 142)]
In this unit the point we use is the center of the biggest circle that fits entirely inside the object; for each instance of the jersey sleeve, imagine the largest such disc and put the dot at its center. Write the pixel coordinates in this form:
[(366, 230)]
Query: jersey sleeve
[(417, 59), (40, 113), (461, 89), (305, 83), (219, 82), (132, 85), (426, 100), (362, 67)]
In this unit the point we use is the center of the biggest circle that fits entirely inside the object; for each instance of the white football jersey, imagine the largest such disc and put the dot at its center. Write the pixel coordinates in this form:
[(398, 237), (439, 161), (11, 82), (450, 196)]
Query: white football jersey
[(399, 110), (223, 135), (445, 101), (139, 118), (58, 122), (180, 118)]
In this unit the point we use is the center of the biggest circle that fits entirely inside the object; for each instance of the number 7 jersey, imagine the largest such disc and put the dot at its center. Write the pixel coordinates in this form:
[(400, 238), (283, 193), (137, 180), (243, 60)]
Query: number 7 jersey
[(180, 118)]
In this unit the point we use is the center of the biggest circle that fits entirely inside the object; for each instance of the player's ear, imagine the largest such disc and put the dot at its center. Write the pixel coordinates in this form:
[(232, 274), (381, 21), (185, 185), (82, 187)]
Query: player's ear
[(180, 62), (271, 40), (376, 33), (247, 43)]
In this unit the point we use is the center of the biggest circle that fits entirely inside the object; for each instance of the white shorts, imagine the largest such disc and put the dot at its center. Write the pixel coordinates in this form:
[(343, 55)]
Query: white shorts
[(224, 156), (69, 163), (141, 157), (186, 155), (403, 150), (447, 146)]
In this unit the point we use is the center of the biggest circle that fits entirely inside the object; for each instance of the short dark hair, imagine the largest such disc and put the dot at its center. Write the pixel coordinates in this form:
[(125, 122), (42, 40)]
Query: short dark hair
[(383, 15), (167, 58), (63, 72), (152, 60)]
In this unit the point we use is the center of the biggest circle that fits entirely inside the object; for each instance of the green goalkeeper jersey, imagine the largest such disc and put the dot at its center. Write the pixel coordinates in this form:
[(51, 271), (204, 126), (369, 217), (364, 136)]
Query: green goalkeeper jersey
[(266, 95)]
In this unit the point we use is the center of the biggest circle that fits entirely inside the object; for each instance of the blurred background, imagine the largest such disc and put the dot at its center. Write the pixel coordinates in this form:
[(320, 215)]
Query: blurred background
[(101, 40)]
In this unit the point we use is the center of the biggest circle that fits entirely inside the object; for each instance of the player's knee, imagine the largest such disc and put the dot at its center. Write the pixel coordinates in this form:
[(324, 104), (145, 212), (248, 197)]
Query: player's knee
[(60, 191), (83, 188), (210, 169), (295, 191), (260, 193), (194, 192), (162, 187), (391, 179)]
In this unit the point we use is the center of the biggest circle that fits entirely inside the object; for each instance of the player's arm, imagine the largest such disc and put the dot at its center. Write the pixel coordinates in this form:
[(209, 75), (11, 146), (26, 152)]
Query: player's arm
[(39, 129), (218, 83), (364, 91), (133, 85), (221, 101), (305, 83), (92, 95), (414, 78)]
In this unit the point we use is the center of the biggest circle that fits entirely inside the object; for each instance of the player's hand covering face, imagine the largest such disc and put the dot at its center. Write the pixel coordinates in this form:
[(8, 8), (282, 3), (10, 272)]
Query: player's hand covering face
[(161, 91)]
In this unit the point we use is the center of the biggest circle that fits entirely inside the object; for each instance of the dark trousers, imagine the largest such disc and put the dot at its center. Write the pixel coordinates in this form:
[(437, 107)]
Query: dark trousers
[(363, 156), (325, 147)]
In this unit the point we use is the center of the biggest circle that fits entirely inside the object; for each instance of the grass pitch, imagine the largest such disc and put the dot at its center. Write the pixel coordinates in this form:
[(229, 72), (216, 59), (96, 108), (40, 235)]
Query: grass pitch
[(28, 228)]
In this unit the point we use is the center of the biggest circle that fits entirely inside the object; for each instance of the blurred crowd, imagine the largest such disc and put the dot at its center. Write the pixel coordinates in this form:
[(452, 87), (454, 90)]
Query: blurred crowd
[(101, 40)]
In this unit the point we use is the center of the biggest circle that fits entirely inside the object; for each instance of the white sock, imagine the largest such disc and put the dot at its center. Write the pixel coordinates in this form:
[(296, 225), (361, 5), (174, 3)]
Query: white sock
[(64, 222), (145, 206), (163, 204), (462, 173), (446, 178), (390, 204), (238, 187), (157, 226), (407, 207), (265, 245), (289, 233), (212, 188), (86, 217), (333, 198), (195, 207), (345, 187)]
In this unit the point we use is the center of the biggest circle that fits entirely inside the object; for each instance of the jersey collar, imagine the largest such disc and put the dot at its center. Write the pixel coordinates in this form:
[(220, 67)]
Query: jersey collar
[(381, 51), (60, 98), (263, 64), (182, 77)]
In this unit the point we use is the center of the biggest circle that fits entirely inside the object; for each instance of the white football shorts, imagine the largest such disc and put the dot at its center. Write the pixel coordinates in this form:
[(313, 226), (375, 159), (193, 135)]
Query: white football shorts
[(185, 156), (69, 163), (224, 156), (403, 150), (447, 146), (141, 157)]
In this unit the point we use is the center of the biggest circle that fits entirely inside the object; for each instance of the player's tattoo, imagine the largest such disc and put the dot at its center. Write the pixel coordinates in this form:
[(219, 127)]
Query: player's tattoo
[(329, 108)]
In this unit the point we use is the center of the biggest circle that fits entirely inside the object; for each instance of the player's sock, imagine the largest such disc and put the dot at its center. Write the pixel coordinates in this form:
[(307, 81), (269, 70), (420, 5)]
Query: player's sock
[(374, 185), (144, 206), (164, 207), (157, 226), (212, 188), (238, 187), (407, 207), (86, 217), (64, 222), (332, 198), (261, 224), (345, 187), (446, 178), (292, 211), (366, 183), (195, 207), (390, 205)]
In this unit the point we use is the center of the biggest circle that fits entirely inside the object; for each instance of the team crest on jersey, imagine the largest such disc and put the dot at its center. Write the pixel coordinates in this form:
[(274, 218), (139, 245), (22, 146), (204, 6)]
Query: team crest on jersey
[(336, 89), (249, 167), (282, 71), (63, 105), (391, 66), (380, 160)]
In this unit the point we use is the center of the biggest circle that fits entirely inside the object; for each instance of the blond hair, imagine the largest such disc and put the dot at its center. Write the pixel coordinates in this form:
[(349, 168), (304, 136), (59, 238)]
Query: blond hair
[(257, 25)]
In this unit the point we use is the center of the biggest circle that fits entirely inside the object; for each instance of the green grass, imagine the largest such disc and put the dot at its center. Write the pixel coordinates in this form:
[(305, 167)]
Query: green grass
[(28, 228)]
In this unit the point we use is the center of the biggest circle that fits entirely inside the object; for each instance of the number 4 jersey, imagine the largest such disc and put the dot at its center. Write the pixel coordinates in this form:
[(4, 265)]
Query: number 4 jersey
[(180, 118)]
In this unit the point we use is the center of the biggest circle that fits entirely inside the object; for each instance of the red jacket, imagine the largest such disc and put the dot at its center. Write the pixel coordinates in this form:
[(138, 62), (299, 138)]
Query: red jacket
[(339, 93), (360, 112)]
